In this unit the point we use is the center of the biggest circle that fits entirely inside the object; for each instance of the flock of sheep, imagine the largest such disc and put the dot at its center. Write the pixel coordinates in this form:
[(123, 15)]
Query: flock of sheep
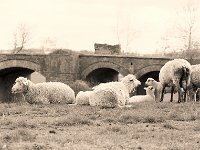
[(177, 74)]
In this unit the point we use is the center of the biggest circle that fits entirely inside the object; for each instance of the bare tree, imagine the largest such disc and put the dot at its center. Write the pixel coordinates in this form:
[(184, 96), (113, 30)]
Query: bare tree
[(125, 33), (188, 27), (182, 40), (49, 43), (20, 38)]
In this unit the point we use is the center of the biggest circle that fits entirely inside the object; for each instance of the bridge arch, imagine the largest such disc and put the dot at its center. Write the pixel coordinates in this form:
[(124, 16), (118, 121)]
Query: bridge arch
[(19, 63), (12, 69), (148, 69), (103, 72), (98, 65), (147, 72)]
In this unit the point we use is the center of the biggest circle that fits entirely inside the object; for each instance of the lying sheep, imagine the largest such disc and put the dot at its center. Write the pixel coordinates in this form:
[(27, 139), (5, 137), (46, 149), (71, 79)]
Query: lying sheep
[(195, 80), (82, 98), (175, 73), (144, 98), (113, 94), (45, 93)]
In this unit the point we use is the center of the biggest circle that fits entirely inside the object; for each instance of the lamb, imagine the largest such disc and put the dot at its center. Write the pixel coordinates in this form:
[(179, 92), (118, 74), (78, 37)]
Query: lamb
[(144, 98), (82, 98), (195, 80), (157, 86), (44, 93), (113, 94), (175, 73)]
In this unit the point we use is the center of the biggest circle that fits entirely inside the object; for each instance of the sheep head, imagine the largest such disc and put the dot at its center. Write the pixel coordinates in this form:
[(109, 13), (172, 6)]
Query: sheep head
[(150, 82), (130, 82), (150, 90), (20, 86)]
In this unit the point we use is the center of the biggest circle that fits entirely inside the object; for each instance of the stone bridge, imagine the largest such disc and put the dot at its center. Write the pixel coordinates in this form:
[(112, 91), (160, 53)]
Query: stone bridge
[(67, 66)]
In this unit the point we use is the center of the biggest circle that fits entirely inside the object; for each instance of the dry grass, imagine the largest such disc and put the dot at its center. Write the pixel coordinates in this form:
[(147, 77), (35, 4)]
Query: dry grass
[(144, 126)]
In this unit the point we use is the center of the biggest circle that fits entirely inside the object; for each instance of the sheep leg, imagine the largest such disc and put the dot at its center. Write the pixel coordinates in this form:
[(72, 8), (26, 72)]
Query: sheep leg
[(172, 92), (185, 90), (185, 94), (179, 95), (189, 93), (195, 96), (194, 93), (162, 94)]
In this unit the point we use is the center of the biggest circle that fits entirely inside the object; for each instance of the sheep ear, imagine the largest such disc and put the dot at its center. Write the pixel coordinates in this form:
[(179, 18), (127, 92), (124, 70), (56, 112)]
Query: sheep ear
[(150, 87), (25, 82)]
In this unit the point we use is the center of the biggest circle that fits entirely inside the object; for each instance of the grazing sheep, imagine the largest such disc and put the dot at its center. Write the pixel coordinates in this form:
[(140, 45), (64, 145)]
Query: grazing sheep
[(144, 98), (82, 98), (175, 73), (45, 93), (113, 94), (195, 81)]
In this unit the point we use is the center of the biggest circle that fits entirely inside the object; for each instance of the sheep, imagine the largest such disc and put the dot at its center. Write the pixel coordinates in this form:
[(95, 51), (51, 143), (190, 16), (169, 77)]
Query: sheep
[(157, 86), (113, 94), (195, 80), (82, 98), (43, 93), (175, 73), (150, 96)]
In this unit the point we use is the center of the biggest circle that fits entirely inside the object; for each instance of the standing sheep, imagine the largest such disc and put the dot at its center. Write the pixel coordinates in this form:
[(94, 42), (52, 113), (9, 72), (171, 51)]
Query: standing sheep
[(195, 80), (144, 98), (113, 94), (157, 86), (175, 73), (45, 93)]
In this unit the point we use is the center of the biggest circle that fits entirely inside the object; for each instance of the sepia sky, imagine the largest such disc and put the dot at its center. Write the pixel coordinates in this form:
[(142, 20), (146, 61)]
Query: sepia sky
[(78, 24)]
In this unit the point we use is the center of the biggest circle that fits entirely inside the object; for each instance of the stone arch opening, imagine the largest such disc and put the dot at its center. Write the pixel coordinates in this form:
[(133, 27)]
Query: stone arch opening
[(143, 78), (8, 77), (102, 75), (95, 66)]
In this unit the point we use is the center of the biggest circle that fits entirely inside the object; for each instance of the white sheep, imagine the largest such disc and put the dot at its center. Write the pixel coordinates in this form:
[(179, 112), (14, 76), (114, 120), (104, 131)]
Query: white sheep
[(143, 98), (175, 73), (113, 94), (157, 86), (195, 80), (82, 98), (45, 93)]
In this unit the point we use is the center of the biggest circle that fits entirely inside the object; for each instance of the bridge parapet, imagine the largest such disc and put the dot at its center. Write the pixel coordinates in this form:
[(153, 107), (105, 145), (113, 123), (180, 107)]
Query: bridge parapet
[(120, 63)]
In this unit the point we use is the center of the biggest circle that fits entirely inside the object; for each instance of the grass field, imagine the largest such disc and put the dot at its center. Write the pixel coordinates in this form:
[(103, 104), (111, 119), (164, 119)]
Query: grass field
[(149, 126)]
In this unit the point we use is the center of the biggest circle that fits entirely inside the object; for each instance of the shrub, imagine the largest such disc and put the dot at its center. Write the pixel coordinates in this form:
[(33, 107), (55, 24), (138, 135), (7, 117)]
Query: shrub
[(80, 85)]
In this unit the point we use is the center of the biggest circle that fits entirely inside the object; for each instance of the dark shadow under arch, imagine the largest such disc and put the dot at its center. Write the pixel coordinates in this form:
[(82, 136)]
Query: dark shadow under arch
[(143, 78), (109, 65), (7, 79), (102, 75)]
